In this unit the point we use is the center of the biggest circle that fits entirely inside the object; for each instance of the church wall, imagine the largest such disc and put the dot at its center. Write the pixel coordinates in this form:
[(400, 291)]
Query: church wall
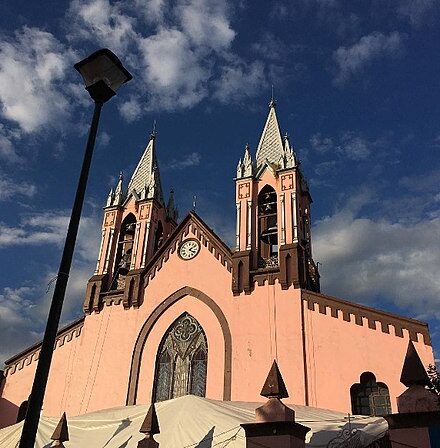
[(338, 352)]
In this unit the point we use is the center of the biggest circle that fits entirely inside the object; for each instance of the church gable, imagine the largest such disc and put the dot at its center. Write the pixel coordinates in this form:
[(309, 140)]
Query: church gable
[(194, 225), (191, 229)]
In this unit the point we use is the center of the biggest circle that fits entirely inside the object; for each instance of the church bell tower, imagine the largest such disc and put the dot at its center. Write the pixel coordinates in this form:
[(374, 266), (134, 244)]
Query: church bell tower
[(273, 220), (136, 224)]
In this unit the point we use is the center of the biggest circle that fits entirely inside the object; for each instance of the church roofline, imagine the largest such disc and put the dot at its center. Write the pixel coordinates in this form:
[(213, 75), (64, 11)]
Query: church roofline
[(34, 347), (373, 315)]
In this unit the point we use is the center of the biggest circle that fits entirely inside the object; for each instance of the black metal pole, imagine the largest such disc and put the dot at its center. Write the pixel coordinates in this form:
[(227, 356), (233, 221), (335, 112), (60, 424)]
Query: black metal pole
[(35, 404)]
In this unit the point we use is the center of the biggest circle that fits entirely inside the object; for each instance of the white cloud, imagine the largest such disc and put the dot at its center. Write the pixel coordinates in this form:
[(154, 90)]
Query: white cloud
[(17, 322), (417, 12), (349, 145), (101, 21), (366, 259), (205, 22), (352, 60), (321, 144), (13, 189), (31, 68), (239, 81), (50, 228), (130, 110), (189, 160), (173, 70)]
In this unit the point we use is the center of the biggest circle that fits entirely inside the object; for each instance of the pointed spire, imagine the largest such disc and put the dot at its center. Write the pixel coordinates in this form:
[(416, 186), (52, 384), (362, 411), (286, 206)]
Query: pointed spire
[(147, 172), (289, 153), (239, 169), (171, 208), (270, 148), (247, 162), (413, 371), (274, 385), (110, 198), (61, 433), (119, 193)]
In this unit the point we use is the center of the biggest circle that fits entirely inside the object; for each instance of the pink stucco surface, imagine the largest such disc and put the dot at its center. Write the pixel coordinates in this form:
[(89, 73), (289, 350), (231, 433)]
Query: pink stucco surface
[(91, 371)]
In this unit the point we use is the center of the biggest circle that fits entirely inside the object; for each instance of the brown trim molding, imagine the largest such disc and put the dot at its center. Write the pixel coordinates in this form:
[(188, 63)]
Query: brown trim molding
[(373, 316), (153, 318)]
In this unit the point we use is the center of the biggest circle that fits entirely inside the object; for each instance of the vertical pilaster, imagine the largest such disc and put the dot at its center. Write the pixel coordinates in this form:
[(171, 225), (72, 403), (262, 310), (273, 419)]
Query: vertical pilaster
[(249, 226), (100, 251), (145, 244), (135, 246), (283, 219), (237, 228), (108, 251), (294, 217)]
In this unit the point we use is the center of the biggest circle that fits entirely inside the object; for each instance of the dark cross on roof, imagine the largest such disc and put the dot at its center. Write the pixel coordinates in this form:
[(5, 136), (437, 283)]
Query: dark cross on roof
[(413, 371), (274, 385)]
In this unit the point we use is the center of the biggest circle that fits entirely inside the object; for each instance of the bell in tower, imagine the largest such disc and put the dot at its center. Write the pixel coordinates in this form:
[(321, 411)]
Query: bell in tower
[(136, 223), (273, 241)]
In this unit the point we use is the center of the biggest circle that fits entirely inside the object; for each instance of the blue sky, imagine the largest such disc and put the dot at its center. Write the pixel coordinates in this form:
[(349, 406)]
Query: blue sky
[(357, 90)]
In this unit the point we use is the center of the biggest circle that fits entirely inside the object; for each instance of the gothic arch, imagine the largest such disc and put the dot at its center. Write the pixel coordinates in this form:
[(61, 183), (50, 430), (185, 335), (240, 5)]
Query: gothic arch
[(152, 319)]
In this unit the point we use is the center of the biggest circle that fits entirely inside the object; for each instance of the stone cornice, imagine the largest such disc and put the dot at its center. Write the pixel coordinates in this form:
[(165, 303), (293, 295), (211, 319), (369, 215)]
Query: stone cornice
[(32, 353), (371, 315)]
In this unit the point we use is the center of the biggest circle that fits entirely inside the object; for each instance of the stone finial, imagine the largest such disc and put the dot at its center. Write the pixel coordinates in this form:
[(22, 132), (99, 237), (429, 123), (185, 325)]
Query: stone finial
[(274, 410), (61, 433), (275, 424), (416, 398), (274, 385), (149, 427), (413, 371)]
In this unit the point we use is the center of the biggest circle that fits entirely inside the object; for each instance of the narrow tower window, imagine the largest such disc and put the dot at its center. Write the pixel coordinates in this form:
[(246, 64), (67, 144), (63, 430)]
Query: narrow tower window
[(267, 227), (181, 363), (370, 397), (124, 251)]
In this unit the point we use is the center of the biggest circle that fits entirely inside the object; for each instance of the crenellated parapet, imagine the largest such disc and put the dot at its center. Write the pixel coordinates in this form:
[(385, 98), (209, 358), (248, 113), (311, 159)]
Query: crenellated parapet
[(362, 315), (31, 354)]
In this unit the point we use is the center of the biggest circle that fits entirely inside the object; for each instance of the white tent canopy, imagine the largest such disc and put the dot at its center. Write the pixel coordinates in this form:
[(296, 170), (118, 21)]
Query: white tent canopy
[(194, 422)]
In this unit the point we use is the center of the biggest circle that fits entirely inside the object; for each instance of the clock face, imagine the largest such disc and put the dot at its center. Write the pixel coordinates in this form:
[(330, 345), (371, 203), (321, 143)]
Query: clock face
[(189, 249)]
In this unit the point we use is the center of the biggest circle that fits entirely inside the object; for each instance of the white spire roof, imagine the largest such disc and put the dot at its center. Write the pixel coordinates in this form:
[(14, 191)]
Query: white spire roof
[(271, 146), (147, 174)]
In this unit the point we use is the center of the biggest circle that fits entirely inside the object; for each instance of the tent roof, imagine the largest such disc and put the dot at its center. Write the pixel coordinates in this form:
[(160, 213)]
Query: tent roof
[(192, 421)]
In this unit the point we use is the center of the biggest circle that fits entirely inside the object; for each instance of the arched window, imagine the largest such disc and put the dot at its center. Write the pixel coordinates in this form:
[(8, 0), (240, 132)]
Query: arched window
[(181, 363), (370, 397), (124, 251), (267, 227)]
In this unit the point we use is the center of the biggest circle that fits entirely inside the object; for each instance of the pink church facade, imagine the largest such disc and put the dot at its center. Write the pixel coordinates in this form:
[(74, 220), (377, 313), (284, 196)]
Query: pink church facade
[(172, 310)]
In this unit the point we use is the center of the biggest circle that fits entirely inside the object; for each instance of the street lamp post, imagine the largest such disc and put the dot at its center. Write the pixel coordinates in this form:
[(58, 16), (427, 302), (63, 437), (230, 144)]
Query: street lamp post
[(103, 74)]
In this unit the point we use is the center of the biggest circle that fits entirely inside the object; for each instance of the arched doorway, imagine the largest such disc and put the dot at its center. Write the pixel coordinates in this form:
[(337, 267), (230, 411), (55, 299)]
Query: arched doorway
[(181, 362)]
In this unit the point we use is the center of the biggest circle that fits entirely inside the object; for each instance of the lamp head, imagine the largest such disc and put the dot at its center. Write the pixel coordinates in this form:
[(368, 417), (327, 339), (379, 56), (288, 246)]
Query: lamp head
[(103, 74)]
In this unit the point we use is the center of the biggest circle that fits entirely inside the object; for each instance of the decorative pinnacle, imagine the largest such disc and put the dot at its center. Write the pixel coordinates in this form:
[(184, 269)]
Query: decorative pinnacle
[(413, 371), (150, 424), (121, 175), (154, 131), (274, 386), (61, 433)]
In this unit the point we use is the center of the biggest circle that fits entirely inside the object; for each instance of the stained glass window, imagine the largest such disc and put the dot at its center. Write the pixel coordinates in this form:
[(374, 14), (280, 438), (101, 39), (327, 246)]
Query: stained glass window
[(370, 397), (181, 363)]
